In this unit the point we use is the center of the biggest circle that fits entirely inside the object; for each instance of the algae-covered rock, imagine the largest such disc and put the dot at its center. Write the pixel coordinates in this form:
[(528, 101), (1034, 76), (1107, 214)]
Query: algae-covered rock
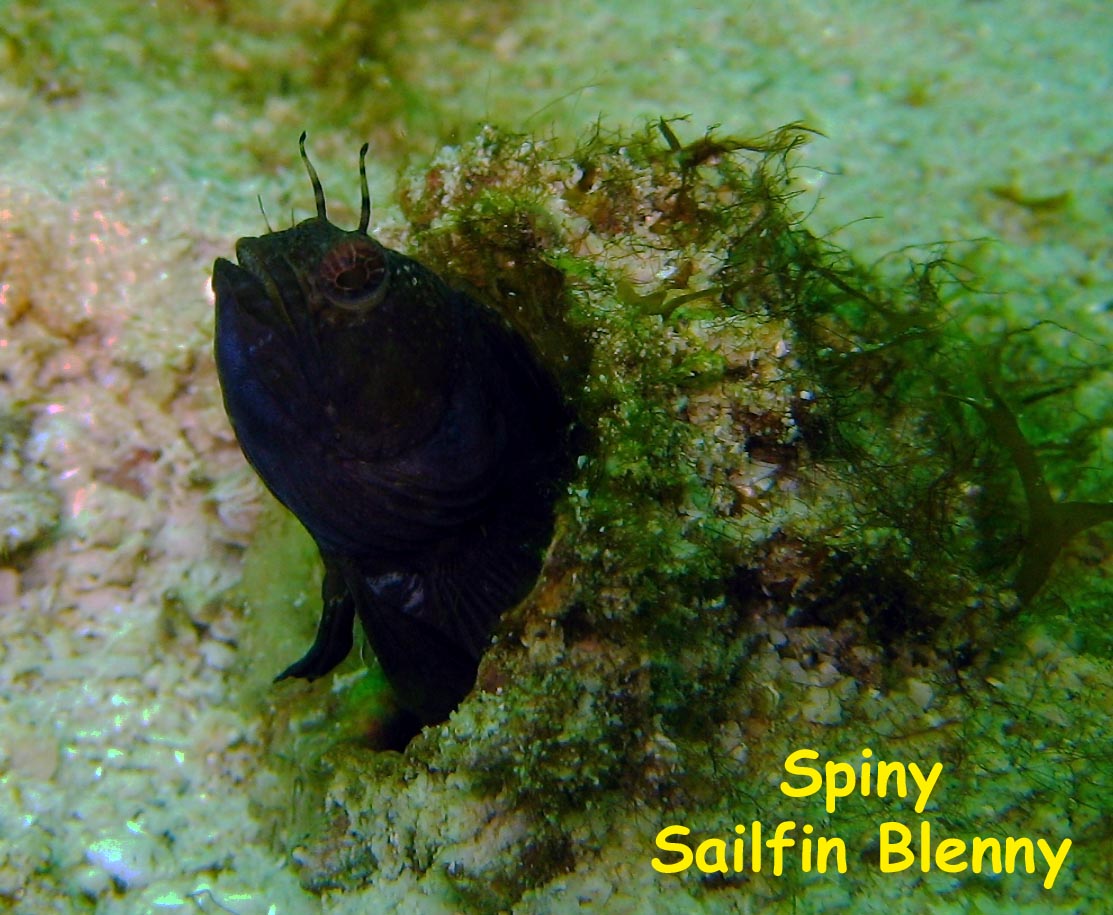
[(794, 522), (29, 509)]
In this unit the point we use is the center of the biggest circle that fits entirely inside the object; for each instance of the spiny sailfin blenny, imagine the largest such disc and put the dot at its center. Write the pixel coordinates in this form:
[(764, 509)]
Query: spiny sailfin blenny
[(410, 430)]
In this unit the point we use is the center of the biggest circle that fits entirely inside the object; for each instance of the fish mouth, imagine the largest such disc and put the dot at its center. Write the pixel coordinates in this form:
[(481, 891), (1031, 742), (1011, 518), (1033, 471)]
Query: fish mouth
[(258, 268), (252, 259), (262, 363), (241, 295), (261, 288)]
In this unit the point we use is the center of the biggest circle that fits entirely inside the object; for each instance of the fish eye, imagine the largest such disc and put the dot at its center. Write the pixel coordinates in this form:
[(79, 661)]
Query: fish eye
[(353, 274)]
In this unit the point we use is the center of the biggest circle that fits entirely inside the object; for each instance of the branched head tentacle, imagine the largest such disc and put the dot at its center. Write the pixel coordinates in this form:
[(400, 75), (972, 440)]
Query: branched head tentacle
[(318, 191), (365, 193)]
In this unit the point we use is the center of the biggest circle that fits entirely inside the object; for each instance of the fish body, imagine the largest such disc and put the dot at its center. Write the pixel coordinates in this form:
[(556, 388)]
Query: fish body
[(410, 430)]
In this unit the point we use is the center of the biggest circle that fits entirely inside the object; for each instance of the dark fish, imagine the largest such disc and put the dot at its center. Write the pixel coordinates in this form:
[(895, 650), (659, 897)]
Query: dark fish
[(410, 430)]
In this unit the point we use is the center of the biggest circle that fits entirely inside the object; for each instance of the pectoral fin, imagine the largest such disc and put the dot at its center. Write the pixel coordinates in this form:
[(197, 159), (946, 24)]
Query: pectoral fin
[(334, 632)]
